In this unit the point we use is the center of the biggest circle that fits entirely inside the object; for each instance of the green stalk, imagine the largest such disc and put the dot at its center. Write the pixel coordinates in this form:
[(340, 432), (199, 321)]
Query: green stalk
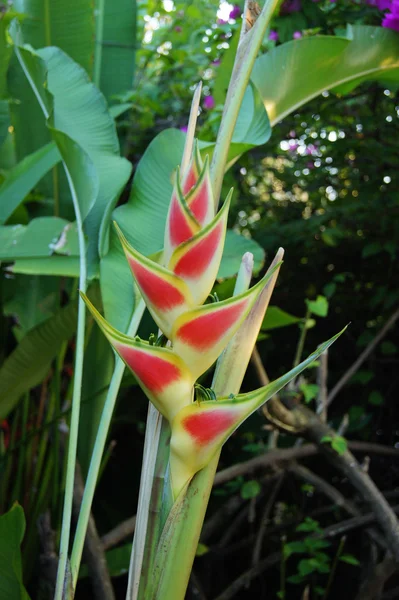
[(161, 502), (98, 450), (77, 391), (247, 52), (179, 540)]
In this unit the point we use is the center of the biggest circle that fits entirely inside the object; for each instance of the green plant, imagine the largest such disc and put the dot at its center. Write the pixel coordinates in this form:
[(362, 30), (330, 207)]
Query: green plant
[(70, 151)]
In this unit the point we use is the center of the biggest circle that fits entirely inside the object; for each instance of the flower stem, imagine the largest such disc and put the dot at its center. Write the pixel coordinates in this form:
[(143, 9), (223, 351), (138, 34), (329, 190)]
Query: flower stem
[(77, 391), (247, 51)]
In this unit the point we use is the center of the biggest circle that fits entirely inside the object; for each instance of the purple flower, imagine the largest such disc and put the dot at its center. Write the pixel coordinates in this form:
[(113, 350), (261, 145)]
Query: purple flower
[(273, 35), (297, 35), (381, 4), (216, 62), (184, 129), (293, 146), (290, 6), (235, 13), (209, 102), (221, 22), (178, 28), (311, 149), (310, 165), (391, 21)]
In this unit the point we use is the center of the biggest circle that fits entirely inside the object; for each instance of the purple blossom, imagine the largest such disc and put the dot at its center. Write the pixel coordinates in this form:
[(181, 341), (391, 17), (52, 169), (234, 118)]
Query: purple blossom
[(184, 129), (290, 6), (209, 102), (293, 146), (311, 149), (178, 28), (221, 22), (235, 13), (292, 133), (297, 35), (216, 62), (273, 35), (380, 4), (310, 165), (391, 21)]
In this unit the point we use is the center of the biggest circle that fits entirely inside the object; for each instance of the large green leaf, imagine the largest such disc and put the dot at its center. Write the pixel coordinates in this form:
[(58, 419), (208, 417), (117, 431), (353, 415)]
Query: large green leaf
[(29, 363), (115, 54), (5, 54), (41, 238), (86, 137), (12, 529), (67, 24), (235, 246), (98, 368), (4, 120), (24, 176), (30, 299), (295, 72)]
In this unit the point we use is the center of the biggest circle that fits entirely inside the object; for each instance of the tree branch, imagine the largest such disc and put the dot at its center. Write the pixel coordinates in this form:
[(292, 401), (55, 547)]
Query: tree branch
[(360, 360)]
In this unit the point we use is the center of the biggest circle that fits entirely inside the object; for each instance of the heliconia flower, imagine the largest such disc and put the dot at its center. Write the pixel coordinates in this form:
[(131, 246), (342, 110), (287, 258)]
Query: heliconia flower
[(174, 292), (167, 296), (200, 335), (161, 373), (200, 429), (197, 260)]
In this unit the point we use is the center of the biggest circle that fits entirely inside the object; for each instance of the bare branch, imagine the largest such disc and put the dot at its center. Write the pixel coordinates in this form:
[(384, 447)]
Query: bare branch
[(360, 360)]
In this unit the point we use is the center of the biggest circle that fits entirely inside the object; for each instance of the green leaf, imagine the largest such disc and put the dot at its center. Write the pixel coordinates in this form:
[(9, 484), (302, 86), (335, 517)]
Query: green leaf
[(310, 391), (376, 398), (294, 548), (118, 560), (372, 53), (338, 443), (250, 489), (202, 549), (31, 300), (38, 239), (4, 122), (29, 363), (235, 246), (371, 249), (5, 55), (67, 24), (362, 376), (388, 348), (307, 566), (65, 266), (348, 558), (23, 178), (115, 54), (308, 525), (318, 307), (223, 71), (85, 135), (253, 126), (276, 317), (98, 368), (12, 529)]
